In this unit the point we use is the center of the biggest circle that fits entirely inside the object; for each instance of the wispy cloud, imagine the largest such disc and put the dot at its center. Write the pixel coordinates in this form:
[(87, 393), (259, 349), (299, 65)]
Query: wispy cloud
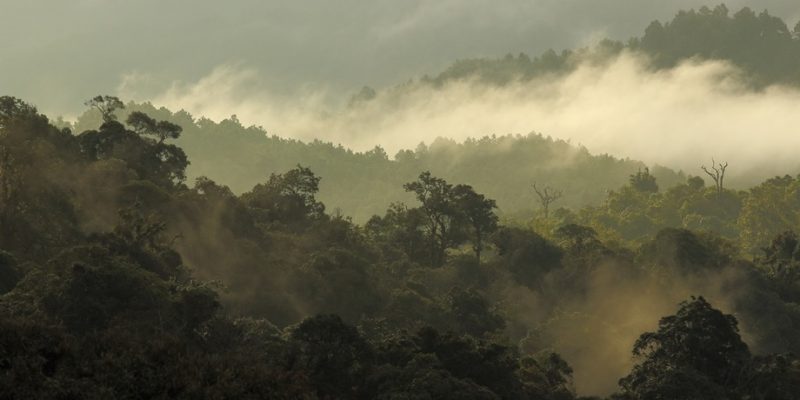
[(678, 118)]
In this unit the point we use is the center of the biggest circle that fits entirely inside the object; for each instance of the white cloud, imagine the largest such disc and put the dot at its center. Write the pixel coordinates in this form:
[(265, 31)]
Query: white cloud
[(678, 118)]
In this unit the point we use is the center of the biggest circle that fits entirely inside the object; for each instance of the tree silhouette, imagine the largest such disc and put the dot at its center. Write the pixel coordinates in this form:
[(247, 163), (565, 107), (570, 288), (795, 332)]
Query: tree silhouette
[(696, 353), (106, 105), (644, 181), (145, 125), (547, 196), (436, 197), (479, 213), (718, 176)]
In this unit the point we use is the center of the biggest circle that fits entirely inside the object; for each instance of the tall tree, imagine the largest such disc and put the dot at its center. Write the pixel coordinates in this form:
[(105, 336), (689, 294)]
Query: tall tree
[(288, 198), (437, 202), (479, 213), (695, 354), (106, 105), (143, 124), (547, 196), (644, 181), (718, 176)]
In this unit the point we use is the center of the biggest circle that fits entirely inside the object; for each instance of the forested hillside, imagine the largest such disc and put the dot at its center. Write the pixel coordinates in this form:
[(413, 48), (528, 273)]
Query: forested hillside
[(763, 46), (361, 184), (148, 253), (505, 166), (121, 279)]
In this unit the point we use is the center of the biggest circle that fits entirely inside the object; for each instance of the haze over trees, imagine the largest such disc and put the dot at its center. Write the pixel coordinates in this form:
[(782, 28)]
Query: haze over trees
[(362, 183), (510, 267), (118, 274), (238, 155), (762, 45)]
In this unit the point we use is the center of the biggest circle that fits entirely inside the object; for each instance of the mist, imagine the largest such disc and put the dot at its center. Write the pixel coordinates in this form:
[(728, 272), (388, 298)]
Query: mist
[(595, 329), (680, 118), (451, 199), (344, 44)]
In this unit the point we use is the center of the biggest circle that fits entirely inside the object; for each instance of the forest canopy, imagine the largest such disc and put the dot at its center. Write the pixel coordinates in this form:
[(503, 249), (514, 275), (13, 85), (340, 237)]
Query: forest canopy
[(762, 45), (118, 272), (152, 253)]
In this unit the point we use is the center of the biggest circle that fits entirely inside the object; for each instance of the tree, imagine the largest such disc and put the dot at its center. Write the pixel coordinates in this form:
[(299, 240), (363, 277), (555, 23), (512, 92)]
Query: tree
[(479, 212), (12, 108), (695, 354), (144, 125), (774, 377), (677, 250), (36, 163), (288, 198), (547, 377), (440, 208), (781, 265), (332, 353), (576, 236), (526, 254), (20, 127), (782, 257), (473, 314), (695, 183), (488, 364), (718, 176), (161, 163), (769, 209), (106, 105), (141, 122), (337, 281), (547, 196), (644, 181), (402, 228)]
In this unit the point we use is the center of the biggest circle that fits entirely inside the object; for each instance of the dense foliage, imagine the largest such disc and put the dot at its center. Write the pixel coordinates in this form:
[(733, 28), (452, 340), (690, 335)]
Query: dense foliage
[(361, 184), (119, 280), (763, 46)]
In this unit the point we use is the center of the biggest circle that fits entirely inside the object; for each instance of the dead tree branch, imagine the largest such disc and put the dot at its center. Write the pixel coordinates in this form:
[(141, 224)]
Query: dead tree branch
[(547, 196)]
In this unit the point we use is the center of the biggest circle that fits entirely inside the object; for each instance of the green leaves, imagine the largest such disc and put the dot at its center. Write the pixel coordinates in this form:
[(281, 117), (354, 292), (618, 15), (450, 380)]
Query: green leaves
[(144, 125), (452, 213), (696, 353), (106, 105), (287, 199)]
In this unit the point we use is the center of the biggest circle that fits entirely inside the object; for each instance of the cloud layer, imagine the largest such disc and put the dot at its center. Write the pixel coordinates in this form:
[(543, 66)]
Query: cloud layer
[(678, 118), (64, 52)]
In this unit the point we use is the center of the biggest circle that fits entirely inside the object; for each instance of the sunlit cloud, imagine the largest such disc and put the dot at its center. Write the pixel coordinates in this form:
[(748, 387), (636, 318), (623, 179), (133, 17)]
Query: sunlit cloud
[(678, 118)]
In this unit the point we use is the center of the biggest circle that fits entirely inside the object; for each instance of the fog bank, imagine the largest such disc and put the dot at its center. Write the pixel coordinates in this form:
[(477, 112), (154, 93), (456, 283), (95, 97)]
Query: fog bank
[(678, 118)]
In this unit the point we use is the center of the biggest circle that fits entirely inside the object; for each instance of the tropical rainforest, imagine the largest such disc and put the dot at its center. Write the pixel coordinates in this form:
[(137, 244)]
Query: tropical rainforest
[(150, 253)]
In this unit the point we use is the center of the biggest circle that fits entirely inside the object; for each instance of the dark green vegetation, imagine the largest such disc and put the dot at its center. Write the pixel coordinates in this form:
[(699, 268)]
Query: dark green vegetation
[(361, 184), (128, 273), (761, 45), (119, 280)]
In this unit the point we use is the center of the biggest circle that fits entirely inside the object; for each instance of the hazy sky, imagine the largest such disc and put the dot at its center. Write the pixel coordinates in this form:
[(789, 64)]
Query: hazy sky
[(56, 53)]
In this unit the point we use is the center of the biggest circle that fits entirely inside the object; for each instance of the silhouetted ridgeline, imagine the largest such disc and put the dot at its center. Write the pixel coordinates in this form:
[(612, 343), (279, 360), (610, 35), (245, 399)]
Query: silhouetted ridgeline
[(362, 184), (765, 48)]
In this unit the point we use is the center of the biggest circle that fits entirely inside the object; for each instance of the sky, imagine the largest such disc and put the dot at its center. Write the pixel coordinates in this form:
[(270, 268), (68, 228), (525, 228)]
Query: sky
[(57, 53)]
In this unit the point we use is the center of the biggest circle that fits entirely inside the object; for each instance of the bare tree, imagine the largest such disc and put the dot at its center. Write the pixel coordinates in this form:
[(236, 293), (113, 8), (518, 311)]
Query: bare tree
[(547, 196), (718, 176)]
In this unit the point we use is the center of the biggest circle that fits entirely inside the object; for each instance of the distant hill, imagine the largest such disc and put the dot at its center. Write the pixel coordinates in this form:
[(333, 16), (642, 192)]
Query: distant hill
[(761, 45), (504, 167), (362, 184)]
